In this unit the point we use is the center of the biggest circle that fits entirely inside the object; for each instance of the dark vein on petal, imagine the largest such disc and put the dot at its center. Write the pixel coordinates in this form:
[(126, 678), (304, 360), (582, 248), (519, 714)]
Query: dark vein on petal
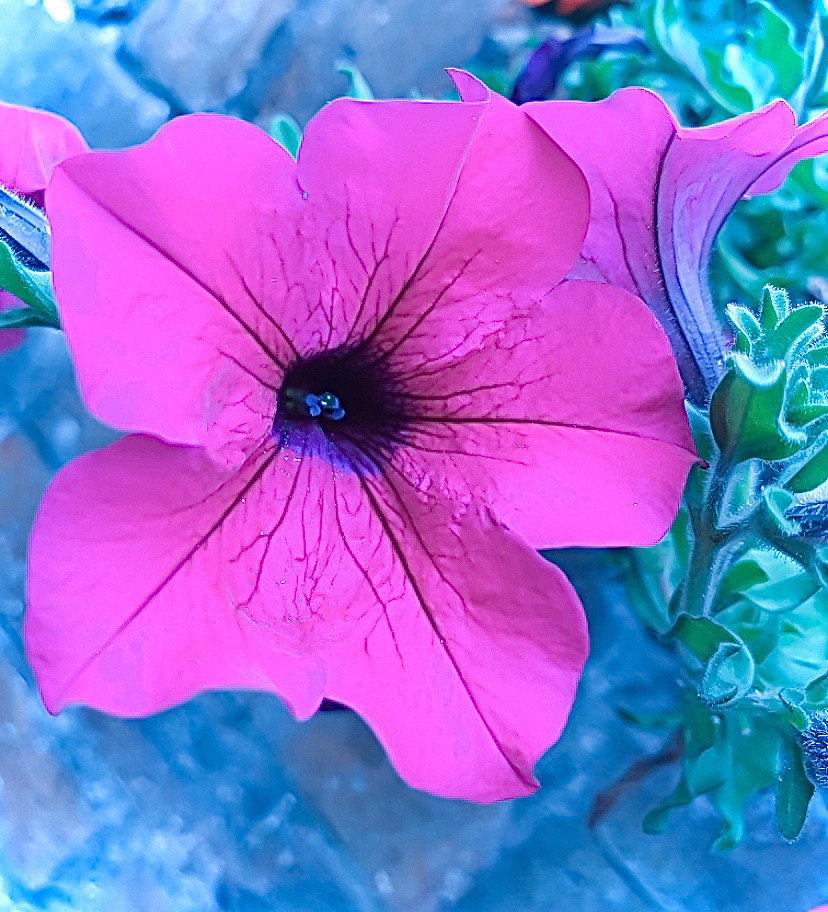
[(446, 451), (398, 551), (427, 312), (543, 423), (484, 387), (242, 606), (432, 243), (625, 253), (365, 574), (175, 570), (416, 530), (699, 382), (166, 255), (261, 308), (386, 254), (349, 235), (249, 372)]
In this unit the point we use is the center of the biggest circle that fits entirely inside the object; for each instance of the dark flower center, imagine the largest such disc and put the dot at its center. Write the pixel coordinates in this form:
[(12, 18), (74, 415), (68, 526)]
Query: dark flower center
[(348, 393)]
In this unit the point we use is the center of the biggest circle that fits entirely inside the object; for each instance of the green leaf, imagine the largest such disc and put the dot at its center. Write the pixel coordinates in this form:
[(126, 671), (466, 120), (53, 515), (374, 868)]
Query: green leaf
[(816, 692), (783, 595), (791, 699), (701, 636), (748, 329), (776, 501), (32, 288), (806, 397), (803, 324), (741, 576), (657, 819), (774, 307), (700, 429), (358, 86), (812, 473), (709, 769), (793, 791), (772, 41), (818, 355), (747, 412), (286, 131), (23, 317), (813, 83), (728, 675), (754, 749)]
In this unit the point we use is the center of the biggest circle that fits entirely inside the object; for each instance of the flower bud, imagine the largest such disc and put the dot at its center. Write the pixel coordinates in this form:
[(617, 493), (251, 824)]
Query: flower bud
[(815, 747)]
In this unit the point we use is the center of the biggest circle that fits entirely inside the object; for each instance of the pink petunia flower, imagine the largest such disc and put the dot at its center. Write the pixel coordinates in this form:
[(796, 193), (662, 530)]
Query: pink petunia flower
[(360, 396), (660, 193), (32, 144)]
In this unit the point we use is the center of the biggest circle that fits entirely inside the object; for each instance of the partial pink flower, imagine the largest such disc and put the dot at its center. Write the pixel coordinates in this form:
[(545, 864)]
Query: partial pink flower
[(660, 193), (360, 395), (32, 144)]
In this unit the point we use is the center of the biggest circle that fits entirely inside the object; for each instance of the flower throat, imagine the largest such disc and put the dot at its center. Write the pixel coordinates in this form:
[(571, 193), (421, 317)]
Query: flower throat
[(349, 393)]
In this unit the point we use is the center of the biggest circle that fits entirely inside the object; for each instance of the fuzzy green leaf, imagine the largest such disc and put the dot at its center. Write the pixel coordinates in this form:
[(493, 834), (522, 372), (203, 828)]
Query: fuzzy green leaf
[(32, 288), (701, 636), (812, 474), (802, 324), (774, 307), (747, 327), (747, 412), (728, 675), (700, 429), (775, 503), (793, 791), (783, 595), (816, 692)]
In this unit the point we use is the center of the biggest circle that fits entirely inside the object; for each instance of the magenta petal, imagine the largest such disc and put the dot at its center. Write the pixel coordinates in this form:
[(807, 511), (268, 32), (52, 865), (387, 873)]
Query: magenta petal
[(162, 259), (584, 441), (469, 675), (808, 141), (33, 144), (513, 229), (659, 196), (378, 178), (128, 602)]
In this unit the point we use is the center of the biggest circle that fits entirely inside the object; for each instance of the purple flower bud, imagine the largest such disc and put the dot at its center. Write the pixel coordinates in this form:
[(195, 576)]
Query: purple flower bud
[(815, 746)]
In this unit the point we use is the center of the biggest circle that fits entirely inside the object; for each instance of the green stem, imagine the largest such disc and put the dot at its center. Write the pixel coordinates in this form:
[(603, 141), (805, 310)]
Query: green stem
[(714, 548)]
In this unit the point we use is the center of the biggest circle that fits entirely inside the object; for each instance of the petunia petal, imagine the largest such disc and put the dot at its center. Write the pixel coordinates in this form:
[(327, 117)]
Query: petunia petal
[(379, 178), (583, 441), (514, 227), (470, 677), (300, 576), (128, 603), (159, 256), (34, 143), (809, 140), (156, 292), (660, 193)]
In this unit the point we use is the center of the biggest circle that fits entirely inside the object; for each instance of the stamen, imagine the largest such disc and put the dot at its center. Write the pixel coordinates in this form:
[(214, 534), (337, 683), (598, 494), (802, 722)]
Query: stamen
[(313, 405)]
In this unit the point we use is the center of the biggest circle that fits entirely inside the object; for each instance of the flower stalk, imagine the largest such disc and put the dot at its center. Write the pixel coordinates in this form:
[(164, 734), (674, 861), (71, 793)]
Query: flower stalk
[(750, 582)]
